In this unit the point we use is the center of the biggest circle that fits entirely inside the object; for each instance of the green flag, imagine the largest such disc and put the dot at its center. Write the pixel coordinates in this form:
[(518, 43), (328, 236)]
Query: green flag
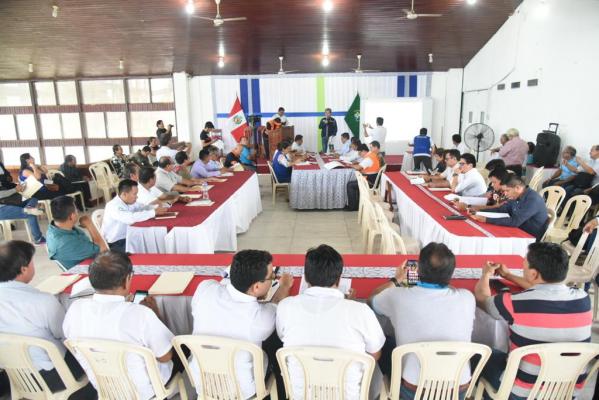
[(352, 118)]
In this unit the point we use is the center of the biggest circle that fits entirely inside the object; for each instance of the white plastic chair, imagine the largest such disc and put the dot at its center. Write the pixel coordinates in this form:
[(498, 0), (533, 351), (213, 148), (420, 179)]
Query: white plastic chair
[(375, 189), (52, 172), (7, 231), (103, 176), (562, 227), (550, 223), (441, 368), (561, 365), (536, 180), (364, 194), (25, 379), (108, 361), (484, 173), (554, 196), (588, 271), (97, 217), (275, 183), (216, 359), (324, 371)]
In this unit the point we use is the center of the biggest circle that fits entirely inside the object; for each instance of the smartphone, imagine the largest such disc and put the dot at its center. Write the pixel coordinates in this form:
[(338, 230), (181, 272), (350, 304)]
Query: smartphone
[(412, 272), (498, 286), (139, 296), (454, 217)]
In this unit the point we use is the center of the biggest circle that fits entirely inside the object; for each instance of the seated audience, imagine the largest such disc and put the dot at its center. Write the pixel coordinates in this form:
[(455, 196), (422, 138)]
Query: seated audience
[(124, 210), (232, 158), (59, 187), (280, 164), (423, 146), (168, 181), (458, 144), (12, 206), (200, 168), (531, 150), (345, 144), (495, 195), (548, 311), (154, 146), (6, 180), (67, 243), (321, 316), (587, 179), (371, 163), (182, 163), (206, 136), (247, 155), (444, 179), (298, 145), (526, 208), (449, 311), (76, 179), (148, 194), (514, 152), (503, 139), (352, 155), (141, 156), (131, 171), (165, 150), (495, 163), (469, 182), (118, 160), (439, 156), (567, 170), (30, 312), (108, 315), (233, 309)]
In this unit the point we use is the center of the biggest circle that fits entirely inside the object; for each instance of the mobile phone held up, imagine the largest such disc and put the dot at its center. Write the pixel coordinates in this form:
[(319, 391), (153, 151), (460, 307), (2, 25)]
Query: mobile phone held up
[(412, 272), (139, 296)]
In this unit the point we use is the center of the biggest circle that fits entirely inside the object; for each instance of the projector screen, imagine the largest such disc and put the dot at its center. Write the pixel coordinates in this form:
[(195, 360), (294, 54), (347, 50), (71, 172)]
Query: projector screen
[(403, 119)]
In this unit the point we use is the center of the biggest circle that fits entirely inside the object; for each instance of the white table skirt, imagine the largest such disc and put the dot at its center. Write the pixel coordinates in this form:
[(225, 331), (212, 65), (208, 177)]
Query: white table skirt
[(414, 221), (319, 188), (218, 232)]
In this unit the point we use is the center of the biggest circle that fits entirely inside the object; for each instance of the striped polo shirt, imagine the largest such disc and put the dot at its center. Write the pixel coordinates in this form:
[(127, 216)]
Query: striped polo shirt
[(545, 313)]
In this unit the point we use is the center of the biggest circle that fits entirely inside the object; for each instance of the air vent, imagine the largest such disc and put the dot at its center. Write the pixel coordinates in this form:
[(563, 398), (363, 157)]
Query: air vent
[(533, 82), (501, 86), (515, 85)]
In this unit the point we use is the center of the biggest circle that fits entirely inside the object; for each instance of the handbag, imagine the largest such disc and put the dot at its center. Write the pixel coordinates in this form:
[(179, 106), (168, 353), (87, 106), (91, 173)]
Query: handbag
[(583, 180), (14, 199)]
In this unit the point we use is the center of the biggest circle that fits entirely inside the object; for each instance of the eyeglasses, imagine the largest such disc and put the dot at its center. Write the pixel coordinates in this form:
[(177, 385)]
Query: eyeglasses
[(461, 163), (272, 276)]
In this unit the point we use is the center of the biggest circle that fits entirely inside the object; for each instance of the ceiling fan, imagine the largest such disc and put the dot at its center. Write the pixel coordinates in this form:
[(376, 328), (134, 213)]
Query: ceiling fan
[(359, 70), (281, 70), (218, 20), (411, 14)]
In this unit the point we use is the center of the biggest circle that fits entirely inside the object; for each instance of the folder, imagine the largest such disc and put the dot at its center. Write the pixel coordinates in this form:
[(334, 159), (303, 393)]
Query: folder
[(171, 283), (57, 284)]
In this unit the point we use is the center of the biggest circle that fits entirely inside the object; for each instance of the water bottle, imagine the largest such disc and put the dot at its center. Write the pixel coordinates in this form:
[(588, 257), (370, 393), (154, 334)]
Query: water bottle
[(205, 191)]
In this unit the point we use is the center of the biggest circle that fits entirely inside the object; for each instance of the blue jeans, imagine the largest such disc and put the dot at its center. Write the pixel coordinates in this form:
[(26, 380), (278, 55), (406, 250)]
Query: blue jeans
[(493, 371), (325, 143), (8, 211)]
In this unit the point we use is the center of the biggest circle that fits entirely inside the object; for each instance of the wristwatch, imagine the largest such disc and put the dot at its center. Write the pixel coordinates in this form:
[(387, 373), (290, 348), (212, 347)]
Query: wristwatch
[(395, 282)]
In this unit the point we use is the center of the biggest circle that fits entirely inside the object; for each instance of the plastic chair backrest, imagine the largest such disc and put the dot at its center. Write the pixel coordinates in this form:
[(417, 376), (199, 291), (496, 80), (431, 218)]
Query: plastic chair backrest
[(581, 205), (52, 172), (216, 359), (325, 370), (101, 173), (537, 178), (25, 380), (561, 365), (590, 266), (97, 217), (272, 173), (484, 173), (391, 241), (377, 181), (108, 361), (551, 217), (553, 195), (441, 366)]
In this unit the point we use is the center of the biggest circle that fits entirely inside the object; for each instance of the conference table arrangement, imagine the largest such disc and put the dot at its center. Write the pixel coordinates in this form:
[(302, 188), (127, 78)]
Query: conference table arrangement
[(202, 227), (316, 185), (365, 272), (422, 212)]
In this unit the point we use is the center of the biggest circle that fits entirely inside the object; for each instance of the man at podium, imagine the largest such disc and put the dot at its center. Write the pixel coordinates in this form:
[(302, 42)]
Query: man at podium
[(281, 115)]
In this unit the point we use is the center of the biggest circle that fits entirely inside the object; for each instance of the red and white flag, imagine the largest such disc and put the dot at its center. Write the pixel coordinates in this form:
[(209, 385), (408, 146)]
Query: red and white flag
[(237, 122)]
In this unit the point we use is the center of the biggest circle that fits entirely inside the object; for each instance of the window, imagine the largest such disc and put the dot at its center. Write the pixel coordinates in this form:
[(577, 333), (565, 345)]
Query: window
[(44, 92), (94, 122), (14, 95), (26, 126), (162, 90), (11, 155), (139, 90), (77, 151), (67, 93), (103, 92), (7, 122), (54, 155), (71, 125), (51, 128), (143, 123), (99, 153), (117, 124)]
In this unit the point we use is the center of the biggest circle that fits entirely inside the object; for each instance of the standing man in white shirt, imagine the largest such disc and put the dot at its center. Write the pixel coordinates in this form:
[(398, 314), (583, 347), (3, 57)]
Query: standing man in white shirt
[(168, 181), (469, 182), (449, 312), (232, 309), (321, 316), (124, 210), (281, 115), (379, 133), (109, 315), (27, 311)]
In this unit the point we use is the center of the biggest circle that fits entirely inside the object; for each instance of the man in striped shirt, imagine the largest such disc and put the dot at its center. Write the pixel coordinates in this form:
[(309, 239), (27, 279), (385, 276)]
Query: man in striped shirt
[(547, 311)]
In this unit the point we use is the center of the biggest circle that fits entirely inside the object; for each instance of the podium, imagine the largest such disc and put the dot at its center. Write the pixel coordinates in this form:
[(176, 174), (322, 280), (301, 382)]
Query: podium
[(276, 136)]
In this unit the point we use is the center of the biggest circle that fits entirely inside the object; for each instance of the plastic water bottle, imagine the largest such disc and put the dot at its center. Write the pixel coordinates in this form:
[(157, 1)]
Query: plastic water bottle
[(205, 195)]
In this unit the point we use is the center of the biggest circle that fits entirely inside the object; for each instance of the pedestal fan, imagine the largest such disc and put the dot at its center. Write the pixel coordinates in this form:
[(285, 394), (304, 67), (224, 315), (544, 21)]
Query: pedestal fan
[(479, 137)]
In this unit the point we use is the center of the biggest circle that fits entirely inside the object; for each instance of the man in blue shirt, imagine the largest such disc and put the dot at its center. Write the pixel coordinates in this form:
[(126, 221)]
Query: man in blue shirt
[(526, 208), (246, 154), (423, 146), (67, 243)]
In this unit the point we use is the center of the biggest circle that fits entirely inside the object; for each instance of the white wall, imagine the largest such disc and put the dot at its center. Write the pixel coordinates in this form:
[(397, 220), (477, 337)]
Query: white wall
[(558, 44)]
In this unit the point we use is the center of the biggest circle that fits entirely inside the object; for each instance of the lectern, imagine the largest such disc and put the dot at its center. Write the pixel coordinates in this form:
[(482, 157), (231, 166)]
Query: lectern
[(276, 136)]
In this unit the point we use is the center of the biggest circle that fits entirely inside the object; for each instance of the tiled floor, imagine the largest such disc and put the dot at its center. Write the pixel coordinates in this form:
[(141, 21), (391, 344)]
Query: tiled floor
[(280, 229)]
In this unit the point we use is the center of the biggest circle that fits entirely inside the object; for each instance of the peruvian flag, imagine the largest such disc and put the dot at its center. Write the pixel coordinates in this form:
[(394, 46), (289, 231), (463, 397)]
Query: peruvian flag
[(237, 122)]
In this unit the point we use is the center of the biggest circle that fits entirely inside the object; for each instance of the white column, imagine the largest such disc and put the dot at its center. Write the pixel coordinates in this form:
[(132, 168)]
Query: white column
[(182, 109)]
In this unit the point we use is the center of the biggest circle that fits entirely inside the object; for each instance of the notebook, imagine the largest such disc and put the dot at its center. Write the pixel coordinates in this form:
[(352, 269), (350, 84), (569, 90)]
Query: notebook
[(57, 284), (200, 203), (168, 215), (32, 185), (171, 283), (492, 214), (344, 285), (439, 189)]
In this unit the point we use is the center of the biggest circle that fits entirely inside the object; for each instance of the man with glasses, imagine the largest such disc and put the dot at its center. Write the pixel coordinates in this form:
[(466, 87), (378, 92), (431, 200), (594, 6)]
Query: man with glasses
[(468, 182), (232, 308), (443, 180)]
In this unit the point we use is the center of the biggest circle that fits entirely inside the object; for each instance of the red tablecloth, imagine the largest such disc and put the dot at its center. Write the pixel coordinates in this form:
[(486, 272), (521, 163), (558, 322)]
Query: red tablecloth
[(363, 286), (438, 211), (192, 216)]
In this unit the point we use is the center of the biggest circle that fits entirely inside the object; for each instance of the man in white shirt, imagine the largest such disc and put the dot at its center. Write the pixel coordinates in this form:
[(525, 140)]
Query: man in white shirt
[(281, 115), (298, 145), (345, 144), (443, 180), (428, 312), (27, 311), (166, 151), (108, 315), (458, 144), (124, 210), (168, 181), (590, 166), (379, 133), (469, 182), (353, 155), (232, 309), (148, 194), (321, 316)]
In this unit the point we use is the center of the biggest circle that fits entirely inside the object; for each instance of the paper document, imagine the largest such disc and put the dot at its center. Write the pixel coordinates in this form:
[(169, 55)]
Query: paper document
[(451, 197), (226, 174), (433, 189), (171, 283), (32, 185), (344, 285), (82, 288), (304, 163), (200, 203), (492, 214), (57, 284), (417, 181), (416, 172), (167, 215), (473, 201), (199, 188), (333, 164)]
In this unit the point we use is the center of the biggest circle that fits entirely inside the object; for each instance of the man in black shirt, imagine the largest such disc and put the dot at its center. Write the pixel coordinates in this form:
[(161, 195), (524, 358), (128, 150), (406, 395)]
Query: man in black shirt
[(233, 157), (328, 127), (161, 131), (77, 180)]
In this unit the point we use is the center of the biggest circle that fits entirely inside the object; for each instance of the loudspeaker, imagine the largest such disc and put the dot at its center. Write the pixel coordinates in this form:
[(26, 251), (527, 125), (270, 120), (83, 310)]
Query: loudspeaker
[(547, 149)]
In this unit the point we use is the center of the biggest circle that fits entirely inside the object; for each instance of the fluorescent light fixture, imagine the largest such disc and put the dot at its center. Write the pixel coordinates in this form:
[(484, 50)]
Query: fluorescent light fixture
[(471, 2), (30, 67), (221, 62), (430, 58), (54, 11), (221, 50), (325, 61), (190, 7), (325, 49), (327, 5), (121, 64)]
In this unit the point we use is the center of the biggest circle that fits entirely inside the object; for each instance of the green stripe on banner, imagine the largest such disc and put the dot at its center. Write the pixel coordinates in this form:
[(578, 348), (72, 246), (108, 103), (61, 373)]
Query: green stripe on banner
[(320, 107)]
